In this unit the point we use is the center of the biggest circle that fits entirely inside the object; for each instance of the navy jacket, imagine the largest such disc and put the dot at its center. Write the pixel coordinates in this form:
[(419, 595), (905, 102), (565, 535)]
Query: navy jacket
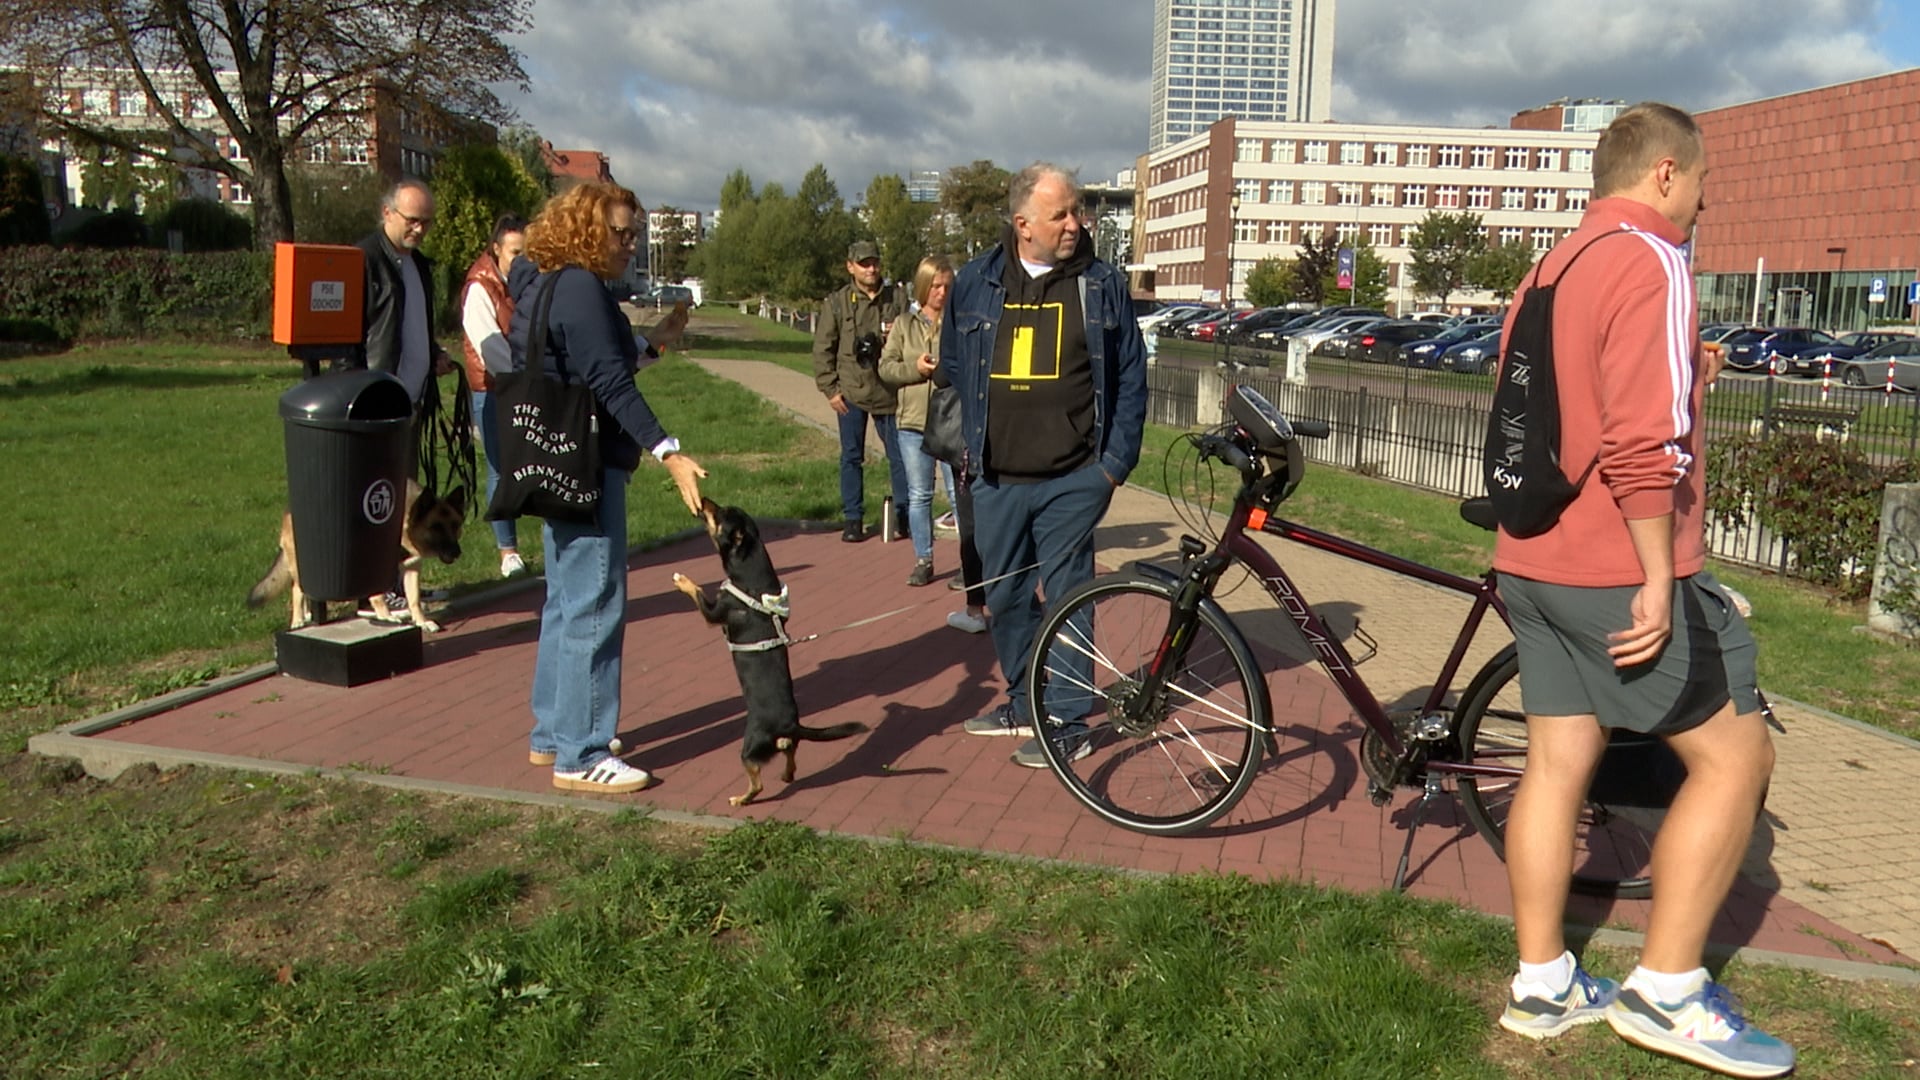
[(599, 347), (1115, 348)]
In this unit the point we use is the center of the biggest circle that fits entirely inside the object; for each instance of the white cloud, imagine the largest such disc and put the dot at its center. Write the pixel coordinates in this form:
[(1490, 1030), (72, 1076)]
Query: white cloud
[(680, 92)]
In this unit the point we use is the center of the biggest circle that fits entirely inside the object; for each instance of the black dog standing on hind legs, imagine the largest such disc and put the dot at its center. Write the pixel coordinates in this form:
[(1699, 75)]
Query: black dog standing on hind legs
[(751, 608)]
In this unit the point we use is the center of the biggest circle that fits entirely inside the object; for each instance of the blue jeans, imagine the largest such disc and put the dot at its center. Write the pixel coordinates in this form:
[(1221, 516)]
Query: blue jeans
[(576, 673), (919, 468), (1017, 526), (853, 456), (483, 414)]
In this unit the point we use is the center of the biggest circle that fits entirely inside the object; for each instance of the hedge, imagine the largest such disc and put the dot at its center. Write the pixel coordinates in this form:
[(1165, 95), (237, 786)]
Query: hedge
[(79, 292)]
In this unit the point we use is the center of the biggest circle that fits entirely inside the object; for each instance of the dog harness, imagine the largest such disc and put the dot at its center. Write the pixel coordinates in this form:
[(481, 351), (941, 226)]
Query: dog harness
[(773, 606)]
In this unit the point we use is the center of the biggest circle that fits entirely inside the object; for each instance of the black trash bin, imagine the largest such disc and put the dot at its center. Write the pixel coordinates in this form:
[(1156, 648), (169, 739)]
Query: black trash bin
[(347, 449)]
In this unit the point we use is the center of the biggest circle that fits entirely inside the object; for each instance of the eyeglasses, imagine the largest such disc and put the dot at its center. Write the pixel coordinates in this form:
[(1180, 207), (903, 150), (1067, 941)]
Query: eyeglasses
[(626, 235), (411, 221)]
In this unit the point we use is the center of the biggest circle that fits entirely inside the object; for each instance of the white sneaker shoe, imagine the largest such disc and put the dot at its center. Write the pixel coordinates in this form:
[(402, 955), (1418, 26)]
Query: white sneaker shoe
[(972, 624), (512, 564), (609, 775)]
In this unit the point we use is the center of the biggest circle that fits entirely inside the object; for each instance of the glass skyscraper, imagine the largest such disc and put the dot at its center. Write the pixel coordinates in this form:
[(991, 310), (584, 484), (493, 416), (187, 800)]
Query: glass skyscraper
[(1269, 60)]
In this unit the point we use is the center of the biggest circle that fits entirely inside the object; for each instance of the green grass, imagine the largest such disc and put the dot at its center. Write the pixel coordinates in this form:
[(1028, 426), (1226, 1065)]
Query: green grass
[(146, 484), (213, 925)]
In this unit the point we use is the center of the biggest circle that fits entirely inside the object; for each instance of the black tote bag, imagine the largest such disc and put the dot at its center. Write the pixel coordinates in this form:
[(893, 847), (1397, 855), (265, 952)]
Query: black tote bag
[(549, 443), (942, 437)]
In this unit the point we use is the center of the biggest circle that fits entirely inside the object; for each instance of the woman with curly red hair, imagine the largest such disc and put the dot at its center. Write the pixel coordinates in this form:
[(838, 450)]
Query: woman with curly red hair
[(578, 241)]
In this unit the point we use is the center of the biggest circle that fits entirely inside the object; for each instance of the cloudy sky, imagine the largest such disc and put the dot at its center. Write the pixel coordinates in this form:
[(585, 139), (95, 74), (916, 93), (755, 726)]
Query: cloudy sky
[(680, 92)]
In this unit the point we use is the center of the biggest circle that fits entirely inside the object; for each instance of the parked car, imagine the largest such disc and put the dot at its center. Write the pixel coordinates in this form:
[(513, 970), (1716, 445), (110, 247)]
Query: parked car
[(1478, 319), (1157, 321), (1173, 324), (1211, 329), (669, 295), (1317, 336), (1262, 319), (1754, 348), (1869, 369), (1425, 352), (1474, 356), (1718, 331), (1381, 344), (1429, 317), (1811, 360), (1350, 309)]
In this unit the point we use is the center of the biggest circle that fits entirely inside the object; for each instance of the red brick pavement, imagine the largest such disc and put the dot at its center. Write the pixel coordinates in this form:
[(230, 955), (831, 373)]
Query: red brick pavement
[(884, 657)]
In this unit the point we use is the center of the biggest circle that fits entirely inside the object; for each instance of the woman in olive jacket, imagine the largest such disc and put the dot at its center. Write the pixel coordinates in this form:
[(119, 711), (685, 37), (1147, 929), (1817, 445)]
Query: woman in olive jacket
[(906, 364)]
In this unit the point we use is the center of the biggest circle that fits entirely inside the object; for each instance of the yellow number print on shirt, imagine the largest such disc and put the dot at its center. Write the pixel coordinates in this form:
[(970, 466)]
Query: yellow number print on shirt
[(1036, 343)]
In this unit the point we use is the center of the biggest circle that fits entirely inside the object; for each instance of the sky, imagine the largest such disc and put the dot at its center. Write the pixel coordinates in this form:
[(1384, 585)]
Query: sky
[(679, 93)]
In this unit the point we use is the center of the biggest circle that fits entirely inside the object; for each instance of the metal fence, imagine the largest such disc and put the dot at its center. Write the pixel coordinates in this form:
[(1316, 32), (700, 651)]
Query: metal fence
[(1426, 429)]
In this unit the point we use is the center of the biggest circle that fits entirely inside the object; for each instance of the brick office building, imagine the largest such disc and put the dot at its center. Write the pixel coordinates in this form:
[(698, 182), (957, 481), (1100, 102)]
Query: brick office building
[(1810, 200)]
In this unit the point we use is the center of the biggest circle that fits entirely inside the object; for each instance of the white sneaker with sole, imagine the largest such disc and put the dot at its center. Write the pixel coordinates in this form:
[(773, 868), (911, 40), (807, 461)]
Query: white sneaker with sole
[(972, 624), (609, 775), (512, 564)]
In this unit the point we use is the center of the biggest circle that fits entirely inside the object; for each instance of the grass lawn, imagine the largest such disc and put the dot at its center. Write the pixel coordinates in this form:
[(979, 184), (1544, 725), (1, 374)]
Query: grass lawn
[(202, 923)]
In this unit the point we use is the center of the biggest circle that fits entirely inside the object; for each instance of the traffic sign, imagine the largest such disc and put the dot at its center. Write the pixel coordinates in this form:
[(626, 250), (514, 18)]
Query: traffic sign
[(1877, 291)]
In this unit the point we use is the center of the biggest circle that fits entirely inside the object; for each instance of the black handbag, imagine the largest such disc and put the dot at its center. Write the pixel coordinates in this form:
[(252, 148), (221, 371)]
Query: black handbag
[(942, 436), (549, 440)]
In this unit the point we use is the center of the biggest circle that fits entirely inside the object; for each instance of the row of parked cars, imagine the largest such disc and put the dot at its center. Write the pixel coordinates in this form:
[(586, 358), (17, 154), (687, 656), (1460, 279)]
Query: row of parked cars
[(1465, 343), (1857, 359)]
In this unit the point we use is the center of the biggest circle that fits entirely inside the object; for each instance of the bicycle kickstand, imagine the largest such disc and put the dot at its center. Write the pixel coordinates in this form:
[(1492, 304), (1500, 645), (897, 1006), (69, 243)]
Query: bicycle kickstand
[(1431, 795)]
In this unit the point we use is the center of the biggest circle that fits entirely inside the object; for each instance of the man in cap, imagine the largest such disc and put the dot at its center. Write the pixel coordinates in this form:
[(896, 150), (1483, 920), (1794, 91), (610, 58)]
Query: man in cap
[(854, 321)]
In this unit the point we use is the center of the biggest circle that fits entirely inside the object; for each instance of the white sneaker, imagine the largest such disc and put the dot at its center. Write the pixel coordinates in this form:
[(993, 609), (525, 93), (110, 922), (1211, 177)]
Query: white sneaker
[(511, 564), (609, 775), (972, 624)]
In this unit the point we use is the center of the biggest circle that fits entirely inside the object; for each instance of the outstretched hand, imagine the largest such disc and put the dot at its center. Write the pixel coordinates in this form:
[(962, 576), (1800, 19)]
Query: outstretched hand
[(667, 334), (687, 475)]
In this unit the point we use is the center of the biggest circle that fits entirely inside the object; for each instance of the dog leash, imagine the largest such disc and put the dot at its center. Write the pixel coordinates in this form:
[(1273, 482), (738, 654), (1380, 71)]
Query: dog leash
[(857, 623)]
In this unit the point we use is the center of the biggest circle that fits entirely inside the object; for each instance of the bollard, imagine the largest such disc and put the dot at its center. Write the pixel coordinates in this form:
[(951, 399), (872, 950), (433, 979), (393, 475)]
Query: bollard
[(886, 520)]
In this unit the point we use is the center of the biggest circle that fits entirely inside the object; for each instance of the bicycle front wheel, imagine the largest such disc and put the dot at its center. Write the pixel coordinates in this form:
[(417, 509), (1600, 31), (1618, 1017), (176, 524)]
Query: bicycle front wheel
[(1166, 763), (1613, 838)]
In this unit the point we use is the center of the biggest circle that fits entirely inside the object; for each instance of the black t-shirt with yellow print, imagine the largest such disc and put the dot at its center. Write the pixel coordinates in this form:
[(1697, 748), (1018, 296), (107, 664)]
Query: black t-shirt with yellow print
[(1040, 413)]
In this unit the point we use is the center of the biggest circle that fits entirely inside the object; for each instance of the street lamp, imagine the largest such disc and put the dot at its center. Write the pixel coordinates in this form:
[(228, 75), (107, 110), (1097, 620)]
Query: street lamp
[(1833, 293), (1233, 230)]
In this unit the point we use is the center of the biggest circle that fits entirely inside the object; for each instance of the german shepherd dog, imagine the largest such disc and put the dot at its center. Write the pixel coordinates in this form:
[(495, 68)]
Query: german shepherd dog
[(432, 529), (751, 611)]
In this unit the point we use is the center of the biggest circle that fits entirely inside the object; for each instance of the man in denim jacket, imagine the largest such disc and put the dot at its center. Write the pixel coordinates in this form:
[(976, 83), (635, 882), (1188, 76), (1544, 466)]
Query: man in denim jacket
[(1040, 339)]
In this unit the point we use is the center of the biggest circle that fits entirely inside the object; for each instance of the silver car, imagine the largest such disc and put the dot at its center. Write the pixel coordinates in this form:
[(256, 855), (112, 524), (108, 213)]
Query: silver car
[(1871, 369)]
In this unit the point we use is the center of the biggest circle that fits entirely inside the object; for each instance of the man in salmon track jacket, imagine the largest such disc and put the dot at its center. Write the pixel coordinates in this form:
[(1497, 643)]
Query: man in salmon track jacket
[(1618, 624)]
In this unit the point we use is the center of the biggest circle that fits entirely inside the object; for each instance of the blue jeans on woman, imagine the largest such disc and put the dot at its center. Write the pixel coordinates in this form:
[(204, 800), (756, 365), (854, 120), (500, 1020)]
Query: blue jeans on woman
[(576, 673), (483, 414), (919, 466)]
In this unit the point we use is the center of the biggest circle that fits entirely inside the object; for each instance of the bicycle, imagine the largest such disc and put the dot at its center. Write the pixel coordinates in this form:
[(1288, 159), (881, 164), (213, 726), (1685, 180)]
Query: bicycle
[(1153, 711)]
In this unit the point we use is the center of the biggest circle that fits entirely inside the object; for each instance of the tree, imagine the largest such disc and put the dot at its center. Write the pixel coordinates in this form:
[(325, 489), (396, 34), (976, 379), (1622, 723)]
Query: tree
[(203, 225), (899, 226), (525, 145), (1500, 269), (826, 229), (472, 187), (976, 196), (1370, 276), (334, 204), (1270, 283), (1442, 245), (300, 73), (1313, 266), (727, 260), (23, 210), (674, 246)]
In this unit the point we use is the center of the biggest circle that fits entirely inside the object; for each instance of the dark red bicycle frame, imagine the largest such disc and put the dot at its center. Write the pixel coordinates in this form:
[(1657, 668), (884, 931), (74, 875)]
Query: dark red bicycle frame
[(1333, 656)]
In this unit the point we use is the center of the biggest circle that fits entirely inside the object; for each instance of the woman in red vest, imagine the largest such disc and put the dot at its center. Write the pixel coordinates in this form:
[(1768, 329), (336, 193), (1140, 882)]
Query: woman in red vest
[(485, 313)]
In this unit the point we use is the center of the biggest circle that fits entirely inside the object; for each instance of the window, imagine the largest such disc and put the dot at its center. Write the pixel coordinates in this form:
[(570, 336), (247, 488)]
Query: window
[(1417, 156), (1543, 239), (1279, 232), (235, 152), (200, 108), (1449, 157), (1413, 195), (1580, 161), (96, 102), (1348, 194), (1248, 190), (1517, 157), (1313, 193), (1316, 152), (238, 193), (1280, 191), (317, 153), (1382, 195), (1250, 150), (131, 103), (1353, 153), (1446, 197), (1483, 157), (1386, 154), (1577, 200), (1546, 199), (1479, 198), (1513, 234), (1549, 161), (1380, 236), (1246, 232), (1513, 198), (1347, 232), (1282, 150)]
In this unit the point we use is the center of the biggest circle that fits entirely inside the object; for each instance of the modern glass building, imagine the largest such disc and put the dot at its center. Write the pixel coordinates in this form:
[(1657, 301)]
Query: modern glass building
[(1260, 60)]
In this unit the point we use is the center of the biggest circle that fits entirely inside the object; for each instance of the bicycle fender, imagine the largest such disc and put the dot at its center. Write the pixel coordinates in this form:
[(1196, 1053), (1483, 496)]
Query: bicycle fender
[(1171, 578), (1481, 676)]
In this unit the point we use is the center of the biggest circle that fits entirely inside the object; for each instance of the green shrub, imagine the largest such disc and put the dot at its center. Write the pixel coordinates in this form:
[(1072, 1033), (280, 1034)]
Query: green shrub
[(1822, 498), (30, 332), (23, 209), (203, 225), (100, 293), (115, 229)]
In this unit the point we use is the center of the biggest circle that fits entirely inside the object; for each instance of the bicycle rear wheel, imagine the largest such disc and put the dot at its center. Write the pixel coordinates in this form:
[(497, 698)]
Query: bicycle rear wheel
[(1613, 840), (1169, 765)]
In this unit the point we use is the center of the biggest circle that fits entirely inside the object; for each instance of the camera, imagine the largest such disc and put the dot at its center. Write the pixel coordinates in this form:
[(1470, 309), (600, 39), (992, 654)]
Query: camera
[(866, 350)]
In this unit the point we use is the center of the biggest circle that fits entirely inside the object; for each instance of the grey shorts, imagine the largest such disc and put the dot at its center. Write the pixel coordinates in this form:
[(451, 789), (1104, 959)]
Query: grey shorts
[(1561, 634)]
